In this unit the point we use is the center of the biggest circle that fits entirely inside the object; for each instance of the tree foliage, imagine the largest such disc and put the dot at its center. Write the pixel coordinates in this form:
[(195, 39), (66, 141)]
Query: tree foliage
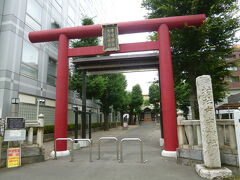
[(146, 102), (154, 93), (113, 94), (122, 105), (154, 97), (202, 50), (135, 102), (182, 93), (85, 41)]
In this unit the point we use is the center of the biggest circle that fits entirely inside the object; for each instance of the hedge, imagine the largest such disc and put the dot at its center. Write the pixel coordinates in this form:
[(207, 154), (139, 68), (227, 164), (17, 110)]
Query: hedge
[(50, 128)]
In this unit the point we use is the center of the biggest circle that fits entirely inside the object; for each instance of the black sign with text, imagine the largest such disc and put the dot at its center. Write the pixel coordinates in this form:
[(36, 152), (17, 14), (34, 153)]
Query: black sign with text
[(15, 123), (110, 37)]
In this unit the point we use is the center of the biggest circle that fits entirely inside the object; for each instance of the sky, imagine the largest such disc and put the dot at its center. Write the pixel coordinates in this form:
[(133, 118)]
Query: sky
[(130, 10)]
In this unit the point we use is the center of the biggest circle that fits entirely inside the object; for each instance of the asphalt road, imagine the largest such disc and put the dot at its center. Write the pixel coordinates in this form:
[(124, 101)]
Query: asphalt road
[(108, 168)]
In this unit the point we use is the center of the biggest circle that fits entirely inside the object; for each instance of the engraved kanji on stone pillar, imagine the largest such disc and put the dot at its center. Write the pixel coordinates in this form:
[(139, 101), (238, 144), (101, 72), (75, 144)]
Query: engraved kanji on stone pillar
[(211, 153)]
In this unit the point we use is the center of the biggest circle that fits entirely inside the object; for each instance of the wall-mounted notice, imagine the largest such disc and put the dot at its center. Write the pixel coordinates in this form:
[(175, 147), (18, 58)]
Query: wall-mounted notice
[(15, 123)]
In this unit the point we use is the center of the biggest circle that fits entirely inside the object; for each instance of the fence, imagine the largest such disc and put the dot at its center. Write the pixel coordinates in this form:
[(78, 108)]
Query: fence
[(189, 134)]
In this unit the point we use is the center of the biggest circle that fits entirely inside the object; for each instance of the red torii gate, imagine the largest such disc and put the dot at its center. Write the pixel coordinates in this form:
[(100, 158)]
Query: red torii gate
[(161, 25)]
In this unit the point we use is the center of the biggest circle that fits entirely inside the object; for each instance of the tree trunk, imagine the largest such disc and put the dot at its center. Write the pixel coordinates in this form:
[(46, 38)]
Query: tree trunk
[(191, 99), (194, 105), (121, 118), (106, 124), (135, 118), (130, 118)]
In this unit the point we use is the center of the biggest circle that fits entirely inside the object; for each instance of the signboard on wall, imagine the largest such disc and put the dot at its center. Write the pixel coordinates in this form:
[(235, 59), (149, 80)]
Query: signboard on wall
[(15, 123), (13, 157), (110, 37), (15, 135)]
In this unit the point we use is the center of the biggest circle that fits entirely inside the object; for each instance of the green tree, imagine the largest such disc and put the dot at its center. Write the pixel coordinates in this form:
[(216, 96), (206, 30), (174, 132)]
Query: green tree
[(154, 96), (115, 85), (94, 41), (95, 84), (198, 51), (182, 92), (122, 105), (146, 102), (154, 93), (135, 103)]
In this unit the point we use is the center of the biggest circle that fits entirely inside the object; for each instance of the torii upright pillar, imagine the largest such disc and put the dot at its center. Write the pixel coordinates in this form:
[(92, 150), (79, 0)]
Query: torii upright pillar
[(167, 93), (61, 113)]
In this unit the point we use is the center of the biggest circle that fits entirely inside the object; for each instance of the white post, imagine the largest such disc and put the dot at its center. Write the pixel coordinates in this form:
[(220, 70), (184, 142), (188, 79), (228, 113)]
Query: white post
[(38, 104), (237, 131), (220, 135), (37, 109), (40, 131), (211, 153), (232, 137), (189, 132), (30, 135), (199, 136), (181, 132), (14, 109), (181, 135)]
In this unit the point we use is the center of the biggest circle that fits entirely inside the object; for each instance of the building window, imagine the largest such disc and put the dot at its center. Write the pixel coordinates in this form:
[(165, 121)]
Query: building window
[(34, 15), (234, 79), (230, 57), (52, 71), (55, 25), (225, 116), (57, 4), (29, 65), (70, 19), (233, 68)]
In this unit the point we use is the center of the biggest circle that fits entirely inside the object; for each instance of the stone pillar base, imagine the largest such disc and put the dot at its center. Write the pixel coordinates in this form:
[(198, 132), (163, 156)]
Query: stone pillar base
[(172, 154), (60, 153), (209, 173)]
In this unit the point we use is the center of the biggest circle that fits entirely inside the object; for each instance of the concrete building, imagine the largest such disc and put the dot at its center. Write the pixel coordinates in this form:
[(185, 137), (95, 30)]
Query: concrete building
[(232, 100), (234, 79), (28, 71)]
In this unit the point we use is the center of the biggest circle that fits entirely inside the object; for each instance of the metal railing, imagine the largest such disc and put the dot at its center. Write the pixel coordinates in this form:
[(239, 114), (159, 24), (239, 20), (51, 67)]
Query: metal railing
[(90, 147), (99, 142), (131, 139), (107, 138), (63, 139)]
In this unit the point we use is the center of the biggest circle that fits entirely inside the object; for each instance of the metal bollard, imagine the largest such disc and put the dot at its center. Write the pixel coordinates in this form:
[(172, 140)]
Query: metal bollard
[(132, 139), (90, 147), (107, 138), (64, 139)]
